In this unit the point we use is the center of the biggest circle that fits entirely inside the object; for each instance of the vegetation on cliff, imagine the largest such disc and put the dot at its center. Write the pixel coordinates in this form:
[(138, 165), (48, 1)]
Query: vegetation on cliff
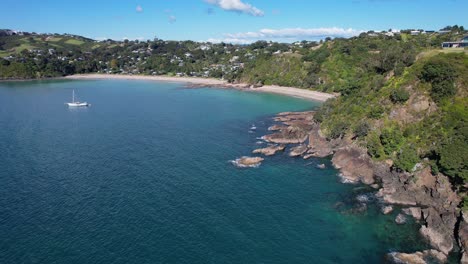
[(416, 114)]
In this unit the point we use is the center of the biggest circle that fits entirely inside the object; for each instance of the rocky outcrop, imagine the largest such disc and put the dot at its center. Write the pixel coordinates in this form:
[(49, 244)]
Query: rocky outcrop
[(246, 162), (400, 219), (296, 129), (355, 165), (428, 198), (298, 150), (319, 146), (426, 256), (386, 209), (270, 150), (432, 193), (415, 212), (463, 237)]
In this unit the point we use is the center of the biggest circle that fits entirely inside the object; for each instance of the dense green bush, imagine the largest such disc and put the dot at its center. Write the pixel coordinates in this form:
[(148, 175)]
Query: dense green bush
[(391, 139), (376, 112), (442, 89), (362, 129), (440, 72), (399, 95), (453, 155), (374, 147), (407, 158), (338, 129)]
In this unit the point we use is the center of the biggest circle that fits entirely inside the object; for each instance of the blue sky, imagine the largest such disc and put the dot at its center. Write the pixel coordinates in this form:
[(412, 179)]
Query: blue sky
[(228, 20)]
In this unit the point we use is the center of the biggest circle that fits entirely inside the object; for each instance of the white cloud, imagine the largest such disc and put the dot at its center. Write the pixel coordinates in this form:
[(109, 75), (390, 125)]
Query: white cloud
[(236, 6), (298, 32), (172, 19), (288, 34), (139, 9), (228, 40)]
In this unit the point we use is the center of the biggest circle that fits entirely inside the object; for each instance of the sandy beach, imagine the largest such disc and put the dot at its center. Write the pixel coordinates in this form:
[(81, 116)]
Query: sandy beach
[(197, 82)]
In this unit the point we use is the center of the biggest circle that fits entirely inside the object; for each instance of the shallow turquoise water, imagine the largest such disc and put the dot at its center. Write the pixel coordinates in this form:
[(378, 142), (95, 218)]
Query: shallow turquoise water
[(143, 176)]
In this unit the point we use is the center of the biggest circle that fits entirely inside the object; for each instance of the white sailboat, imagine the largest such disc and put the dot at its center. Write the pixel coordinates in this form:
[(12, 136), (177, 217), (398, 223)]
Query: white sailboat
[(76, 103)]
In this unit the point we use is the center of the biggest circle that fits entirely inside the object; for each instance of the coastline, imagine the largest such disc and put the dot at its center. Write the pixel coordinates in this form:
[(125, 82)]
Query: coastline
[(199, 82)]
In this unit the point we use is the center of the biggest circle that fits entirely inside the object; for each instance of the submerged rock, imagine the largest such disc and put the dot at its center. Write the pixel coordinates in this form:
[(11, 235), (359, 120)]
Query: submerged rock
[(321, 166), (270, 150), (418, 257), (400, 219), (387, 209), (245, 162)]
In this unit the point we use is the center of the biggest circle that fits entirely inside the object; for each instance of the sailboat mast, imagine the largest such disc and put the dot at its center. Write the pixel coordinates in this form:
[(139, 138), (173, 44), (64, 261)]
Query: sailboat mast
[(73, 99)]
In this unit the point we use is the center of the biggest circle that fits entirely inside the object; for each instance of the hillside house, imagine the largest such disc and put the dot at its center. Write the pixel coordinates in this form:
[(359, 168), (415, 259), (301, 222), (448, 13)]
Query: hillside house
[(456, 44)]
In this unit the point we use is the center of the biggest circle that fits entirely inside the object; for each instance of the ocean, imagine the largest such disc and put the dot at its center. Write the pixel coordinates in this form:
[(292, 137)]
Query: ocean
[(144, 175)]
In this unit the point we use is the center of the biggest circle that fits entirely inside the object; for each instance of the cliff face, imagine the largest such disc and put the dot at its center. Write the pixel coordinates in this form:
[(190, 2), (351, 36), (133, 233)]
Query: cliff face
[(428, 198)]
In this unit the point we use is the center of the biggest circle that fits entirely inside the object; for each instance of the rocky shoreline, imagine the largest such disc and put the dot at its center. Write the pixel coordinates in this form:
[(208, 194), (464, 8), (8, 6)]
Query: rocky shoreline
[(427, 198)]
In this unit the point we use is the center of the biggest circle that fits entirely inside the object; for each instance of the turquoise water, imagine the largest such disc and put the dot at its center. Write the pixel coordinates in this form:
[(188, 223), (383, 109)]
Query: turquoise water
[(143, 176)]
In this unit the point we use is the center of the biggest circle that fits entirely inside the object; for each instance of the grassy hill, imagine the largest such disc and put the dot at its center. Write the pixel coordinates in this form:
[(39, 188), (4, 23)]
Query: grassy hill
[(14, 44)]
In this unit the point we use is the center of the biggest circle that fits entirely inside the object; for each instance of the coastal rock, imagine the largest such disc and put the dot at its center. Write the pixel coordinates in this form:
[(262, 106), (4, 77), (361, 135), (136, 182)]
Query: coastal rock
[(400, 219), (296, 132), (290, 135), (318, 144), (387, 209), (298, 150), (418, 257), (270, 150), (354, 164), (245, 162), (430, 198), (437, 239), (276, 128), (463, 237), (433, 193), (415, 212)]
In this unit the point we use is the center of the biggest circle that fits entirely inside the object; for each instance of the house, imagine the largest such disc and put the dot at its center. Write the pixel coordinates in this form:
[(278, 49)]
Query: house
[(415, 32), (463, 43)]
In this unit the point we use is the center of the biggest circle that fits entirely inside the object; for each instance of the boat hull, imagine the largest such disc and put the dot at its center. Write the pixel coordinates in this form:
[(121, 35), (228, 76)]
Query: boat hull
[(84, 104)]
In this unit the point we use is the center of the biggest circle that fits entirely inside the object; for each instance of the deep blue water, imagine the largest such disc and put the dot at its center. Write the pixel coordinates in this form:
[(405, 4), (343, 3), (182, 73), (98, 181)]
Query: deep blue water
[(143, 176)]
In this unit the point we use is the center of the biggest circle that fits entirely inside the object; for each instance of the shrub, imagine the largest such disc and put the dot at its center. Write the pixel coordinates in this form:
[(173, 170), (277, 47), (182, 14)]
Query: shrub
[(407, 158), (391, 139), (441, 74), (376, 112), (338, 129), (362, 129), (374, 147), (442, 89), (452, 157), (399, 95)]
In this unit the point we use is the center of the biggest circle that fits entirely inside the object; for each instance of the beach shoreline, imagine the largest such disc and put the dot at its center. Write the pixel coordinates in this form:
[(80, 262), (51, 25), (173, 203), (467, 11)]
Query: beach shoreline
[(201, 82)]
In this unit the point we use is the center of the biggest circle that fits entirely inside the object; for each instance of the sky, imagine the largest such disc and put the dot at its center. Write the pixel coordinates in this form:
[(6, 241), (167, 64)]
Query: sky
[(237, 21)]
